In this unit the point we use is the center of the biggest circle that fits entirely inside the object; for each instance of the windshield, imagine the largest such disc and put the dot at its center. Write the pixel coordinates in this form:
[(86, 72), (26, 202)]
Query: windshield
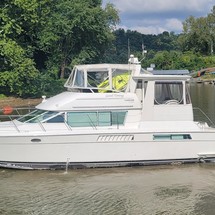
[(38, 116)]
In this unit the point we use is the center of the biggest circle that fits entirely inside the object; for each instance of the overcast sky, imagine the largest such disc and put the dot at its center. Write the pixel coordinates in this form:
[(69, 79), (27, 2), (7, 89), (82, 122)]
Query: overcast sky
[(156, 16)]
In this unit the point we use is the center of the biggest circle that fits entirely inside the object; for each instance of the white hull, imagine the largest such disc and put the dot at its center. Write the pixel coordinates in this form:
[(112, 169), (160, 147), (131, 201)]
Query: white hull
[(90, 150)]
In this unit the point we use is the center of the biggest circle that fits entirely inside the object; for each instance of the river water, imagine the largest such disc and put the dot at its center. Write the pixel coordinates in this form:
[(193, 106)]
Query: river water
[(158, 190)]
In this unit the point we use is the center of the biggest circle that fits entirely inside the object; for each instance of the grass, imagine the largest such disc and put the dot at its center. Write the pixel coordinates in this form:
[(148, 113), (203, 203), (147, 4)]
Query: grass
[(2, 96)]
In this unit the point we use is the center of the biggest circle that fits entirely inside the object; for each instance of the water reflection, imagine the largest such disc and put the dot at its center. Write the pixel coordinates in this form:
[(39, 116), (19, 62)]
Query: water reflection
[(187, 189)]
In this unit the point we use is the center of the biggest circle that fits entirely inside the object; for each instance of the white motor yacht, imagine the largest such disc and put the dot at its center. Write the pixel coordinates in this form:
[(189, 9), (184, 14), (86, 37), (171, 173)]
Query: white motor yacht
[(111, 115)]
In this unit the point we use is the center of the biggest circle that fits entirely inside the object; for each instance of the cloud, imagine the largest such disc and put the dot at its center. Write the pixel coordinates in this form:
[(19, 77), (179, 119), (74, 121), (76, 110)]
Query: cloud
[(161, 6), (155, 26), (174, 25), (156, 16)]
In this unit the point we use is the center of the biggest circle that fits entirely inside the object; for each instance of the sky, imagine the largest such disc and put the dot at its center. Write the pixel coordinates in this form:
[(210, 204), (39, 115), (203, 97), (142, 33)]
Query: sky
[(157, 16)]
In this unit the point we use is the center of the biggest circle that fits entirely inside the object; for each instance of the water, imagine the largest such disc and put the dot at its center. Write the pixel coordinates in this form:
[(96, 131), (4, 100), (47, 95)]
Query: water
[(159, 190), (186, 189)]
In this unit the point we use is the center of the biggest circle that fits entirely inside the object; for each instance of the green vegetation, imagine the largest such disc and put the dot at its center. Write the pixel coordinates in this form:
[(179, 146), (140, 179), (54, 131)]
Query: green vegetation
[(41, 40), (2, 96)]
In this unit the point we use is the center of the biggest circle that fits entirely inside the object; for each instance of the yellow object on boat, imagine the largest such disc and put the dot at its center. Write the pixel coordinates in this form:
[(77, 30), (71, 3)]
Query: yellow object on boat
[(119, 82)]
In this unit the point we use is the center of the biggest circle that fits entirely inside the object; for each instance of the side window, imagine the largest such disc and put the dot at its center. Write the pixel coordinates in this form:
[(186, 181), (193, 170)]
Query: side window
[(168, 93), (82, 119), (172, 137), (92, 119), (57, 119), (188, 99), (104, 119), (118, 118)]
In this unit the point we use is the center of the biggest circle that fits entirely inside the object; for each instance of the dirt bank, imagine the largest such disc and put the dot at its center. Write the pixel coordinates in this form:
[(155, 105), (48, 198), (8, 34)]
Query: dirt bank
[(18, 102)]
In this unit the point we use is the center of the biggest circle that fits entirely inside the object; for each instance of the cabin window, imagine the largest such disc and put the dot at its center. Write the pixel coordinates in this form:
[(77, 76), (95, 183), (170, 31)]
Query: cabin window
[(188, 99), (139, 84), (92, 119), (168, 93), (117, 118), (56, 119), (172, 137)]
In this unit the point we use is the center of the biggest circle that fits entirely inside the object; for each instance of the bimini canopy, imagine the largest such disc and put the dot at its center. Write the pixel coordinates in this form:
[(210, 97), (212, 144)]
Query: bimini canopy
[(100, 77)]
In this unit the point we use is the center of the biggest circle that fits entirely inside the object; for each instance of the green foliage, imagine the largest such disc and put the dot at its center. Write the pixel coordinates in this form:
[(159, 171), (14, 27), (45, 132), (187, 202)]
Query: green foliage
[(132, 41), (77, 32), (39, 39), (2, 96), (17, 70), (179, 60), (199, 34), (48, 85)]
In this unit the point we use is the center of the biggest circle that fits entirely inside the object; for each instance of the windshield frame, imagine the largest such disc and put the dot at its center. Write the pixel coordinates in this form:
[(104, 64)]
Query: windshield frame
[(38, 116)]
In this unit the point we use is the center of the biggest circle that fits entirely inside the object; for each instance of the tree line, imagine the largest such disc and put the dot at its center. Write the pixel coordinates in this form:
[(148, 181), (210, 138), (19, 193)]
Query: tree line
[(41, 40)]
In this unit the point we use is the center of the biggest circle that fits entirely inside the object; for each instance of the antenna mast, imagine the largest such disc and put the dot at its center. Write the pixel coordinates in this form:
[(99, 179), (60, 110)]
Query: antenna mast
[(129, 51), (143, 51)]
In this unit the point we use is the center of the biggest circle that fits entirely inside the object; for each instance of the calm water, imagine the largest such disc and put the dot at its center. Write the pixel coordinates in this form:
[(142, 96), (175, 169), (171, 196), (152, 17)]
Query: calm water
[(185, 189)]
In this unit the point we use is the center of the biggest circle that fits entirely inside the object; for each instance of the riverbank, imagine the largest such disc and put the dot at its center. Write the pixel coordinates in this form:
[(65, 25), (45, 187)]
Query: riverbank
[(19, 102)]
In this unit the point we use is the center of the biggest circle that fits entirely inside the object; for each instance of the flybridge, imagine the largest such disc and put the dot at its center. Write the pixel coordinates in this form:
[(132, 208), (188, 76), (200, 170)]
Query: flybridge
[(107, 78), (100, 78), (103, 78)]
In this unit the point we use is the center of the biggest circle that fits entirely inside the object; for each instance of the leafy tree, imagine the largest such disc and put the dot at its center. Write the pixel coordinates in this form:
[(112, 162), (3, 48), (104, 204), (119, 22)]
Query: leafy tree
[(17, 69), (76, 32), (132, 41), (40, 38), (199, 34)]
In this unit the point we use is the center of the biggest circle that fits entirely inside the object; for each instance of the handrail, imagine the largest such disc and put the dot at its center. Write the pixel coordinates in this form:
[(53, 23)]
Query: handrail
[(208, 118), (41, 125), (14, 124)]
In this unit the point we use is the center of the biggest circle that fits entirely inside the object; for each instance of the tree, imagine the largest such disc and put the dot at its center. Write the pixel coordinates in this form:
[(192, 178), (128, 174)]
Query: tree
[(76, 32), (17, 69), (199, 34), (211, 26), (40, 38)]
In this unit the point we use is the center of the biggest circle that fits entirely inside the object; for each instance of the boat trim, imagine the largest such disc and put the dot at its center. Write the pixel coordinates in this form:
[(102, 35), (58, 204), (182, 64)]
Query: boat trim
[(101, 164)]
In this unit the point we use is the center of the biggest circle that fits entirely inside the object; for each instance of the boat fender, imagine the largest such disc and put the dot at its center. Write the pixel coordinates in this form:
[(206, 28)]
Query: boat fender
[(7, 110)]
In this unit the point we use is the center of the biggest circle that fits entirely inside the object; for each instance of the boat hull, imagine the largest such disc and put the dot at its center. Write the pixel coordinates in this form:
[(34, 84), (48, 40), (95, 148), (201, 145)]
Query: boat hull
[(102, 150)]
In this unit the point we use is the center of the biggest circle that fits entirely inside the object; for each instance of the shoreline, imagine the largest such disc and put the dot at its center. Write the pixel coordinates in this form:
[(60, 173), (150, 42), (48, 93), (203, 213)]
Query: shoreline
[(19, 102)]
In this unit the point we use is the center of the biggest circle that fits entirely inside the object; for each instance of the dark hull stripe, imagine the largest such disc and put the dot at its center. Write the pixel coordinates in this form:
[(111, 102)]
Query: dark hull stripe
[(79, 165)]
